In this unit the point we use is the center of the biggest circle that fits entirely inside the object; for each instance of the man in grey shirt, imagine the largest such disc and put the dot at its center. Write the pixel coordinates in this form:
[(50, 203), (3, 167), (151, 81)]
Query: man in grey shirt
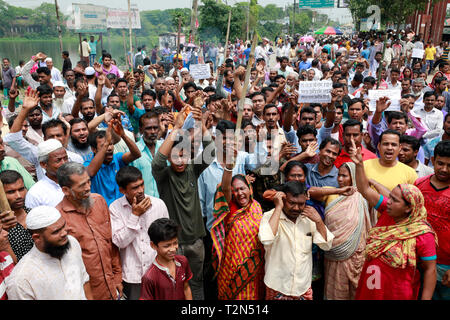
[(8, 74)]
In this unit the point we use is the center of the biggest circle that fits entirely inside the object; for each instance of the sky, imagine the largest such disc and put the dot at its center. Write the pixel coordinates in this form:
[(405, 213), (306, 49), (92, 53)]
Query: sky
[(335, 14)]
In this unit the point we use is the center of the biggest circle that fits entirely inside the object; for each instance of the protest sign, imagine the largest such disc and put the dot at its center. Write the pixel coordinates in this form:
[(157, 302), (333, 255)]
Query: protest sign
[(200, 71), (394, 96), (417, 53), (315, 91)]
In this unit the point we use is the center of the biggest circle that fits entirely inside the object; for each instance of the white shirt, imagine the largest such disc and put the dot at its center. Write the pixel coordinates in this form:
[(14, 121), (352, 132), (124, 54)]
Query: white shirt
[(433, 121), (56, 75), (423, 170), (397, 86), (38, 276), (130, 235), (288, 254), (45, 192)]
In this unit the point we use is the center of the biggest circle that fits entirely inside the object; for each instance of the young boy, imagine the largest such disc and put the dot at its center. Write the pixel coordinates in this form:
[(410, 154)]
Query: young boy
[(168, 276)]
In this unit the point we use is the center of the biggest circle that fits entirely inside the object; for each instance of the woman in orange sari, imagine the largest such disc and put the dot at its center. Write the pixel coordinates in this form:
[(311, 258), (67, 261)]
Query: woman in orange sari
[(238, 255)]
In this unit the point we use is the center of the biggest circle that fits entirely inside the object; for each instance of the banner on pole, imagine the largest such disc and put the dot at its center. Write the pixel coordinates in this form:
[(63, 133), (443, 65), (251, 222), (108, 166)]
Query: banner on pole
[(118, 19), (315, 91), (88, 18)]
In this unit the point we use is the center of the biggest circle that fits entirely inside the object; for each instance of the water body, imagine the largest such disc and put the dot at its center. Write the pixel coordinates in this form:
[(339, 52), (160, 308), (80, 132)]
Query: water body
[(23, 49)]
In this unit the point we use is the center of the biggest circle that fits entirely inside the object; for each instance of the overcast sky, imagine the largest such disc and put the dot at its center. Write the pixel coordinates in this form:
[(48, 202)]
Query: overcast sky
[(335, 14)]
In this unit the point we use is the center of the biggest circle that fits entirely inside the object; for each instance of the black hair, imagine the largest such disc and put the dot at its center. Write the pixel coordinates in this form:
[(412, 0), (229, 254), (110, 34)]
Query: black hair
[(292, 164), (412, 141), (92, 139), (162, 229), (295, 188), (332, 141), (44, 89), (127, 175), (389, 131), (121, 80), (224, 125), (75, 121), (428, 94), (10, 176), (254, 94), (53, 123), (189, 85), (106, 55), (306, 129), (268, 106), (43, 70), (148, 92), (351, 123), (358, 77), (246, 123), (66, 53), (356, 100), (442, 149), (397, 115), (307, 110), (338, 85), (369, 79), (148, 115), (209, 89)]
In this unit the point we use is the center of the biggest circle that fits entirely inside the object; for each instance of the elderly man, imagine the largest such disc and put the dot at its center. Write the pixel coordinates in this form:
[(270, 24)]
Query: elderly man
[(47, 192), (53, 269), (56, 74), (88, 220), (59, 93)]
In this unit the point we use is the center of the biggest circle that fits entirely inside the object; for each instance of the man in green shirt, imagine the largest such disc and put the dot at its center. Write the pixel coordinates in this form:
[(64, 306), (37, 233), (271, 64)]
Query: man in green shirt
[(178, 188), (8, 163)]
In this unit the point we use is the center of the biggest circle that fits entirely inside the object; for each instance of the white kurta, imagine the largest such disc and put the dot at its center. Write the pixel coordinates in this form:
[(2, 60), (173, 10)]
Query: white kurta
[(38, 276)]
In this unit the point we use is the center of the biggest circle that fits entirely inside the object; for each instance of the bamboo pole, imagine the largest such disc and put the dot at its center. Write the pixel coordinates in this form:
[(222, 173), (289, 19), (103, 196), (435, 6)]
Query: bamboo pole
[(4, 204), (228, 34), (131, 36), (178, 44), (59, 27)]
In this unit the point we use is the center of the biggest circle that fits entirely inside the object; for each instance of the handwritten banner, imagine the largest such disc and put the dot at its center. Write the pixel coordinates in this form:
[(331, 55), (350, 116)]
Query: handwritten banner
[(417, 53), (315, 91), (394, 96), (200, 71)]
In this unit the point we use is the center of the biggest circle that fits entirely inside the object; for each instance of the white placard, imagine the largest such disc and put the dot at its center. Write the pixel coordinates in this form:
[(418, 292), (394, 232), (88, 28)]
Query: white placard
[(200, 71), (417, 53), (118, 19), (315, 91), (394, 96)]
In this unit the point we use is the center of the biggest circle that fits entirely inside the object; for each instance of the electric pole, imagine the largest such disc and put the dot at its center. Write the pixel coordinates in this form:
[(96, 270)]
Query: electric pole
[(194, 19), (59, 27), (293, 22)]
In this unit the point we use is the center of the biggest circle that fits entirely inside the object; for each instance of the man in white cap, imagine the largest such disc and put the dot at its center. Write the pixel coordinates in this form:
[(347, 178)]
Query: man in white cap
[(56, 74), (51, 155), (59, 92), (53, 129), (54, 268)]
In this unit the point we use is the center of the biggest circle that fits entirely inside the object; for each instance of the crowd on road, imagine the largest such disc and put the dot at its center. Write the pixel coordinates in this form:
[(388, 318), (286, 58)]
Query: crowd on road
[(147, 183)]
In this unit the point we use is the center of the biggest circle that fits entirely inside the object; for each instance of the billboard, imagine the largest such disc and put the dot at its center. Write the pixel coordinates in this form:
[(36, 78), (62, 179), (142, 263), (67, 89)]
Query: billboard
[(447, 20), (118, 19), (342, 4), (316, 3), (87, 18)]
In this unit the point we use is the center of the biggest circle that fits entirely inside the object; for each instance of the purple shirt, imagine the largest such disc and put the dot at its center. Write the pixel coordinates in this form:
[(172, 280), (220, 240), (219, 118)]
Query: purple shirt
[(114, 70)]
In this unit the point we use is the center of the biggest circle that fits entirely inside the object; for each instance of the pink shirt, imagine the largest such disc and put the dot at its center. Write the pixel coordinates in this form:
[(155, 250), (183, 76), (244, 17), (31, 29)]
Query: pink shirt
[(130, 235), (113, 69)]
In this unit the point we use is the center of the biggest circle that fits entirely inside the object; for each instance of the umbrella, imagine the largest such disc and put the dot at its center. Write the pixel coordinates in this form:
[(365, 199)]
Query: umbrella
[(191, 45), (328, 30), (306, 39)]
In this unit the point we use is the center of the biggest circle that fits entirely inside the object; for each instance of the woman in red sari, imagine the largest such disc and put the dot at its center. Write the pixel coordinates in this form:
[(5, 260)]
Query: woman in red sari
[(400, 247), (238, 255)]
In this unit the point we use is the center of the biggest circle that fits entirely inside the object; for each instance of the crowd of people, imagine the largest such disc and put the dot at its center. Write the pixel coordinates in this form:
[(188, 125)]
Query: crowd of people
[(148, 184)]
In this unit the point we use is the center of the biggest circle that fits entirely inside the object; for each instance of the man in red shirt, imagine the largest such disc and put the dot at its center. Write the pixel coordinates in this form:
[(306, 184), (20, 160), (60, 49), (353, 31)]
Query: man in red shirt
[(352, 129), (436, 192), (6, 262), (168, 277)]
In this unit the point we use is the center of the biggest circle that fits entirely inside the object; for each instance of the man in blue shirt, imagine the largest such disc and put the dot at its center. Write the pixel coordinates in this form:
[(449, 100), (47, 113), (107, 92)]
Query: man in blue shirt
[(324, 173), (104, 166), (247, 52), (304, 64)]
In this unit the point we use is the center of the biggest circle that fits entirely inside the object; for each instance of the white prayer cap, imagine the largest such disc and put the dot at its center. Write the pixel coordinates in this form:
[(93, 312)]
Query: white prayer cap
[(58, 84), (273, 69), (184, 70), (248, 102), (48, 59), (48, 146), (89, 71), (42, 217), (169, 78)]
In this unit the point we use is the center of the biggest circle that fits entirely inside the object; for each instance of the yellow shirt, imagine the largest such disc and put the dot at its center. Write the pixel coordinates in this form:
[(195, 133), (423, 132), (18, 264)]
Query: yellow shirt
[(389, 177), (429, 53)]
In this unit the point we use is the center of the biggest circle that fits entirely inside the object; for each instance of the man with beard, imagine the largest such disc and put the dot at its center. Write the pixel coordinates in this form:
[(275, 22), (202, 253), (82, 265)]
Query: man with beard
[(131, 216), (436, 193), (51, 155), (46, 103), (18, 236), (149, 127), (55, 73), (53, 269), (78, 142), (52, 129), (88, 219), (59, 92), (103, 166)]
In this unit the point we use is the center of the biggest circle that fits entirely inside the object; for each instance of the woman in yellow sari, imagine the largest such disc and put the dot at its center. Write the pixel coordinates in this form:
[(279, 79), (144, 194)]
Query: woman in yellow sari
[(238, 255)]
